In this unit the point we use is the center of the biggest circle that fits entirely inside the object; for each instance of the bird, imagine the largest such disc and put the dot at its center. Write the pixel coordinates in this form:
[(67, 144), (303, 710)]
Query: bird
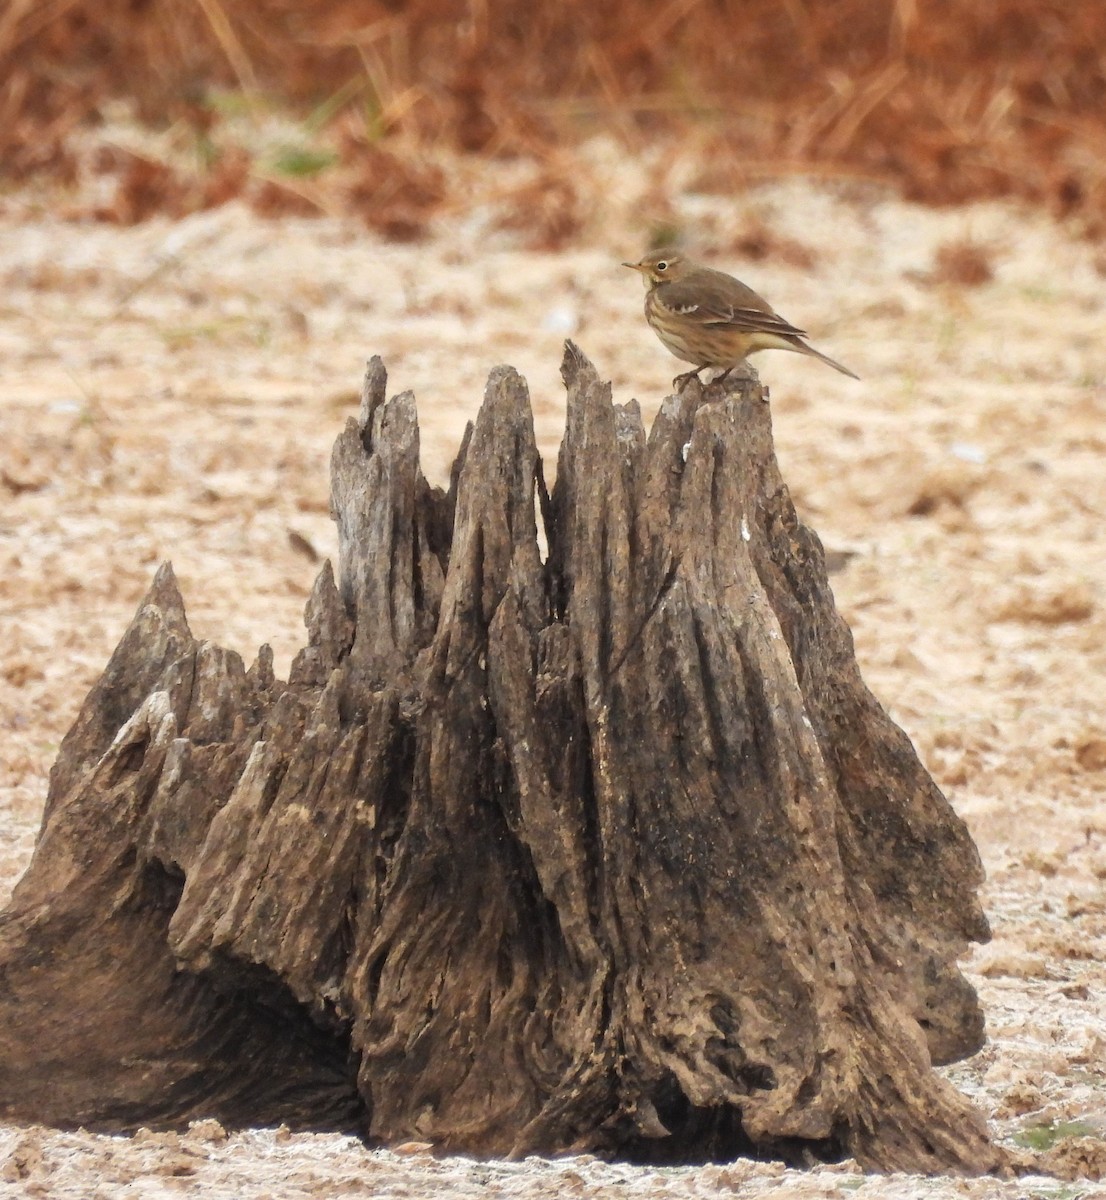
[(711, 319)]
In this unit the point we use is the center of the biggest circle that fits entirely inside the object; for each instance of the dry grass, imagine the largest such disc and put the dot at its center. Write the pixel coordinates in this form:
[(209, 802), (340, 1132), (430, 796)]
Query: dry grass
[(951, 99), (963, 262)]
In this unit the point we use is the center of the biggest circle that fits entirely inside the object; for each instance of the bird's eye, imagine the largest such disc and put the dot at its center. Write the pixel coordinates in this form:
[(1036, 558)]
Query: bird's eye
[(662, 266)]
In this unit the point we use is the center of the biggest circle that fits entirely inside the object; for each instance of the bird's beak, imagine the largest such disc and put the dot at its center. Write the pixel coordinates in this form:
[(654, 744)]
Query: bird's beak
[(634, 266)]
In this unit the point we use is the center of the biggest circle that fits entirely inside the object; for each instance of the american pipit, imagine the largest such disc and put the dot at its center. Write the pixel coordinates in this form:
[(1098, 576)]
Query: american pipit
[(710, 319)]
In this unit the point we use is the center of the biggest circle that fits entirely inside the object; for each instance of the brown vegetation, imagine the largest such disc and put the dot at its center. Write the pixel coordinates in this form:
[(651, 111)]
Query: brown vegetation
[(963, 262), (950, 99)]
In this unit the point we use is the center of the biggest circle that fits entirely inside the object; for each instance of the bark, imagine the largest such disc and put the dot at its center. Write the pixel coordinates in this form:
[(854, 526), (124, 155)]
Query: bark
[(608, 850)]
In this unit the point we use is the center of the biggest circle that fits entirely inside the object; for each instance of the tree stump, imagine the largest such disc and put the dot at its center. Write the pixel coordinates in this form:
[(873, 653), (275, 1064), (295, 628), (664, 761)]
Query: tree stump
[(607, 850)]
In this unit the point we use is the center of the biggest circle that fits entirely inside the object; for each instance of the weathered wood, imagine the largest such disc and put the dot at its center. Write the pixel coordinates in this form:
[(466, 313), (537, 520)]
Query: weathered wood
[(612, 850)]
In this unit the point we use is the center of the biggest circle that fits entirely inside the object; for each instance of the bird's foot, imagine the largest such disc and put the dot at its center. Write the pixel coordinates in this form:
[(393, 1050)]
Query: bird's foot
[(722, 379), (680, 381)]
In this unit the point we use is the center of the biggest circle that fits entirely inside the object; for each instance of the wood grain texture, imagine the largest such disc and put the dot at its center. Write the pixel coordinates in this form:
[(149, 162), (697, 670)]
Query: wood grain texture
[(609, 849)]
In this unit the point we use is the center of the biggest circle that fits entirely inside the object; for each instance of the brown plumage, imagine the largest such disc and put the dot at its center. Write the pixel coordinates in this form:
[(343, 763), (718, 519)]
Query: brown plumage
[(710, 319)]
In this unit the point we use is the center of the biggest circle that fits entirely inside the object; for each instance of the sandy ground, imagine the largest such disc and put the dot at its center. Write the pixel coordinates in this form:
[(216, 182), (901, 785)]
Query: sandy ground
[(172, 391)]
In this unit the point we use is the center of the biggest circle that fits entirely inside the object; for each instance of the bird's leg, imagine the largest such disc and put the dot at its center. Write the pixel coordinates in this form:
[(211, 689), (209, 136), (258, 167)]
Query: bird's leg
[(724, 377), (680, 380)]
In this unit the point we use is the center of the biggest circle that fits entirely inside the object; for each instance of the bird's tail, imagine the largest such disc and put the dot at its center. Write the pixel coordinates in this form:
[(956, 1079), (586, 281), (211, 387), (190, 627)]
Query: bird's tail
[(799, 345)]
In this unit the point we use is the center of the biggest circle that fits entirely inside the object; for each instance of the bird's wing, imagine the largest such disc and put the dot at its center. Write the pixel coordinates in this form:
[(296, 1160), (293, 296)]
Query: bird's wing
[(733, 306)]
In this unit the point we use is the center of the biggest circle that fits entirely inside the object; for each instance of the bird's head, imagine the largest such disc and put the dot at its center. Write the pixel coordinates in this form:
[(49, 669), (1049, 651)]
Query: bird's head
[(660, 266)]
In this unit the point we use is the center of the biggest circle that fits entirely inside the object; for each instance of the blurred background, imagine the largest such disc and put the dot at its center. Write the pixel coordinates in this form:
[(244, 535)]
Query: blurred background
[(356, 106)]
